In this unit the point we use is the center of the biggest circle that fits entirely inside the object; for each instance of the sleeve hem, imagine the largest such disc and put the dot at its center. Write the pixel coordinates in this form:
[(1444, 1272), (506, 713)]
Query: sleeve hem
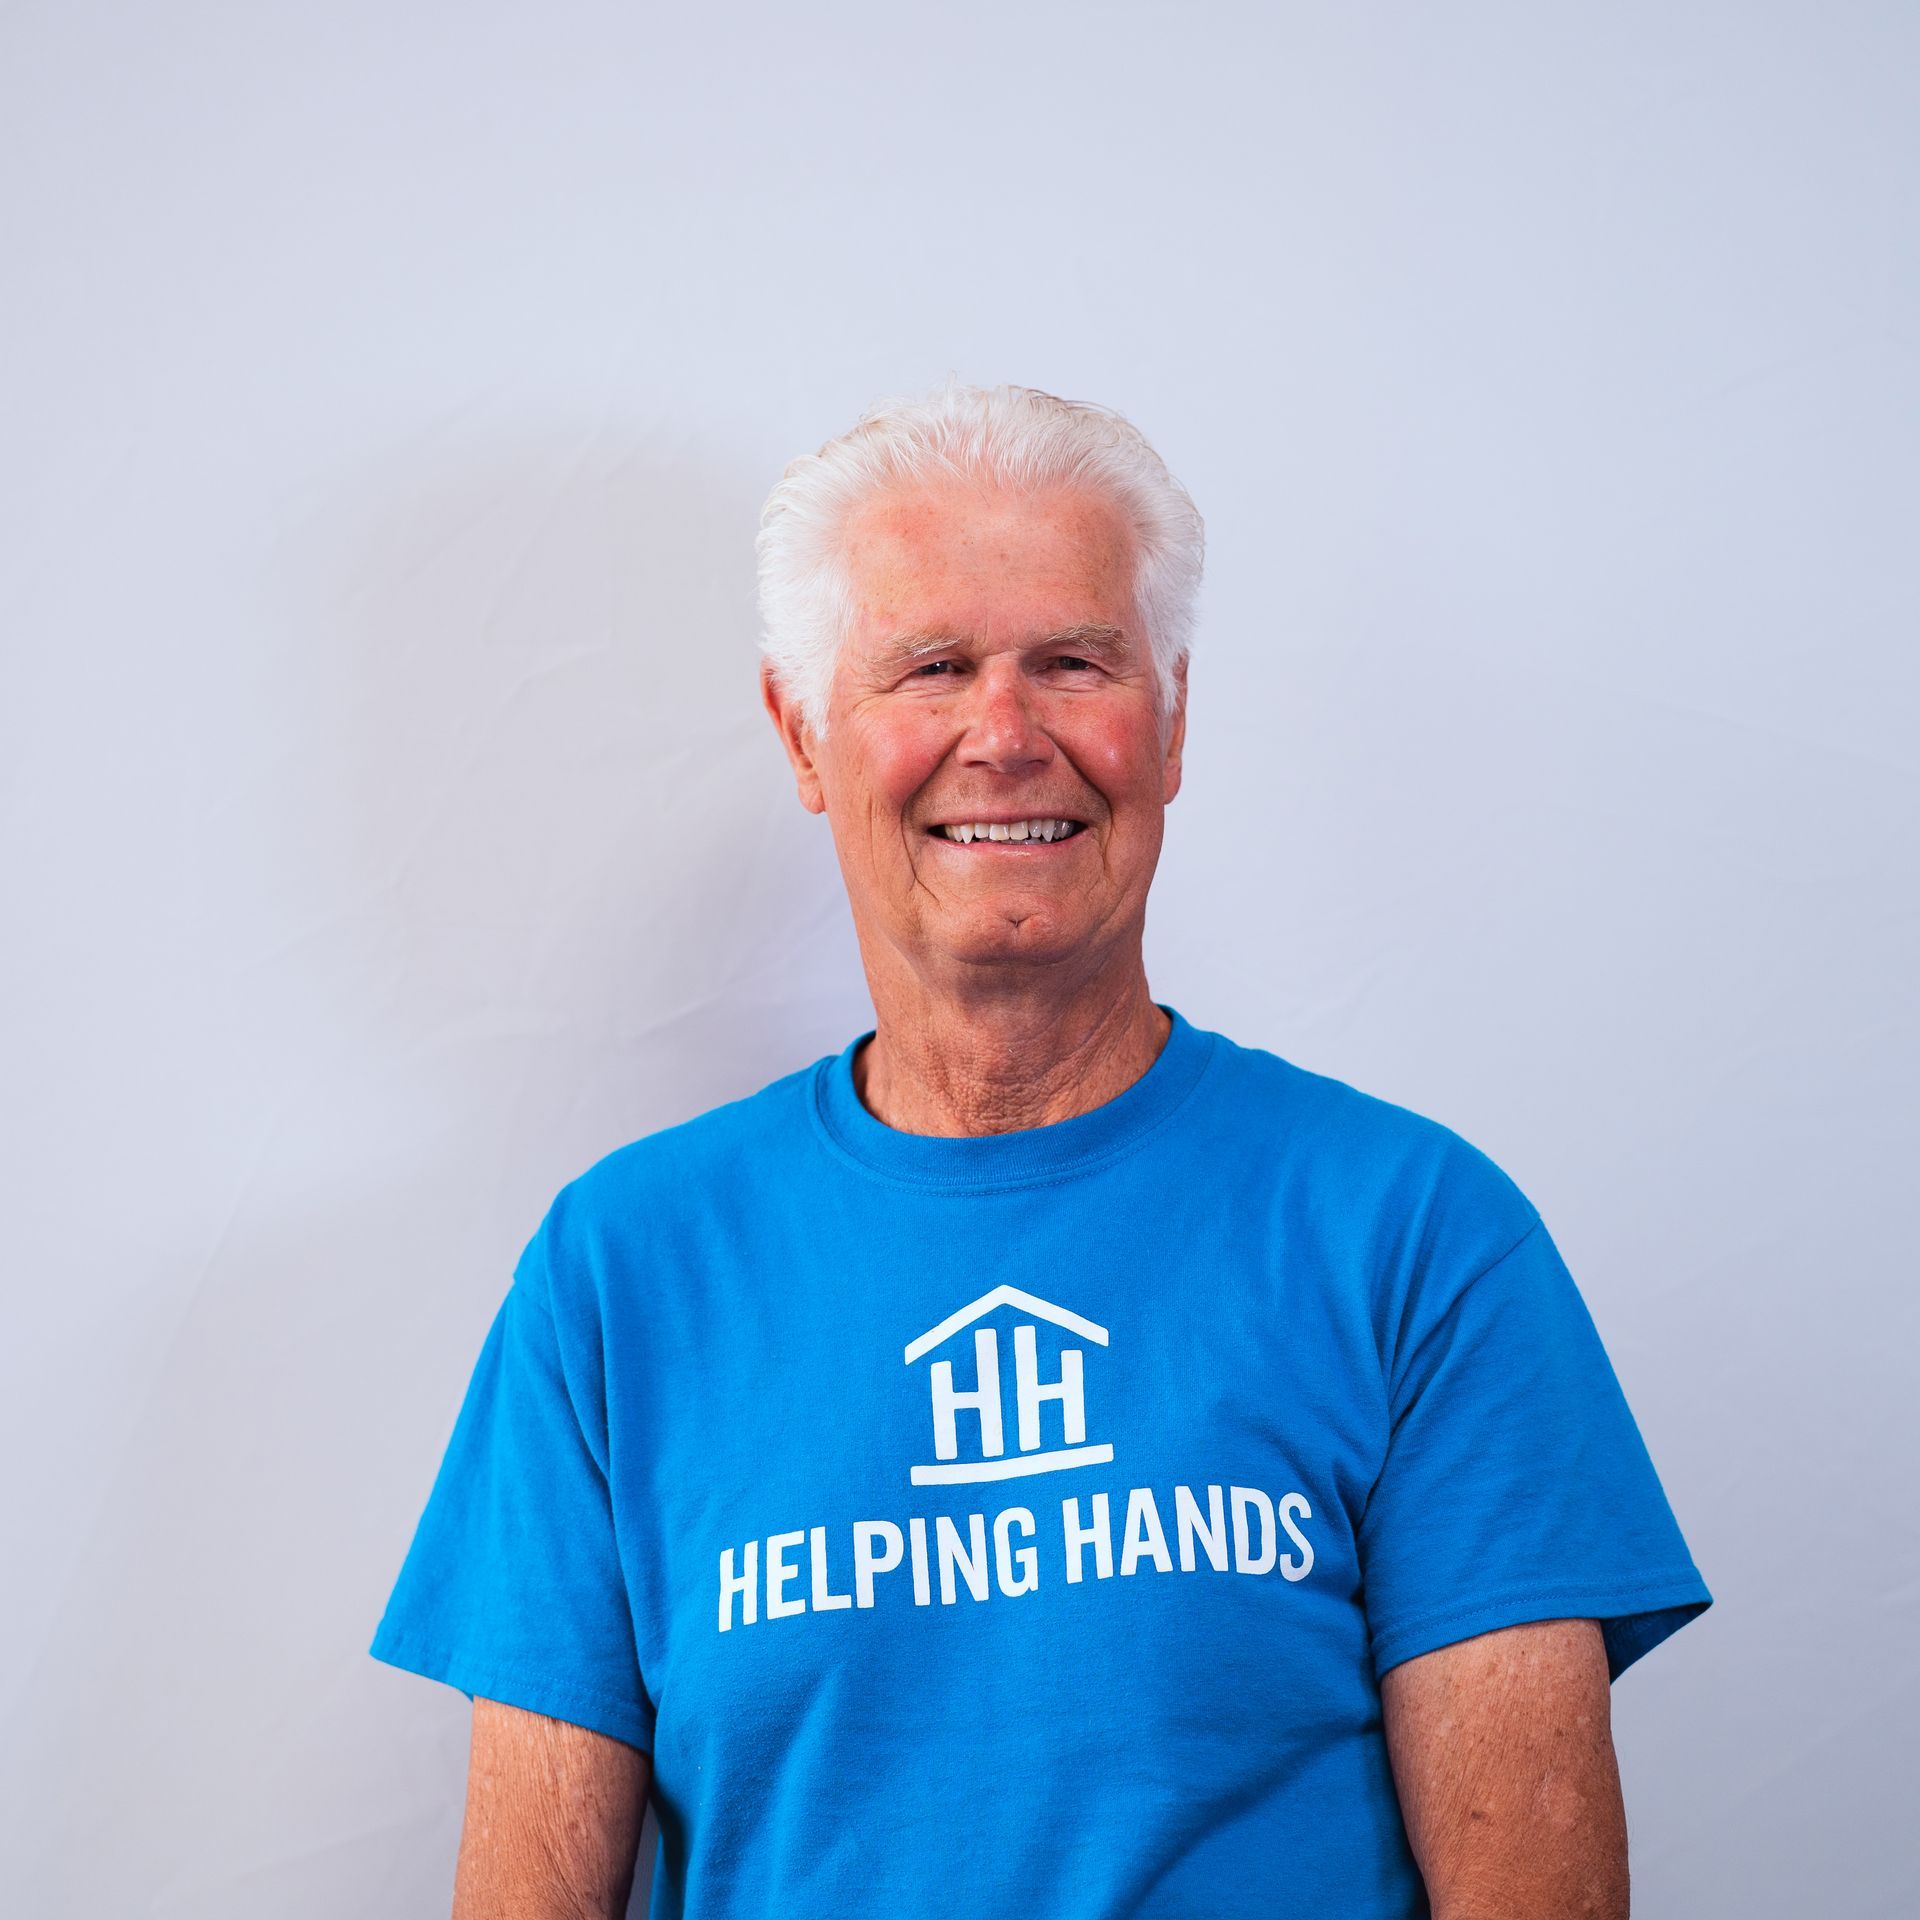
[(1635, 1618), (559, 1698)]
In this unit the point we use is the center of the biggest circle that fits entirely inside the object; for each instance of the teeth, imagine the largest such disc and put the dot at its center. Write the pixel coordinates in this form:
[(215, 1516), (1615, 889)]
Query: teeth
[(1010, 830)]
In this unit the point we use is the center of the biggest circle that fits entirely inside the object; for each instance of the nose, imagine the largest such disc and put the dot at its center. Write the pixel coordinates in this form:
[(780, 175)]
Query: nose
[(1003, 723)]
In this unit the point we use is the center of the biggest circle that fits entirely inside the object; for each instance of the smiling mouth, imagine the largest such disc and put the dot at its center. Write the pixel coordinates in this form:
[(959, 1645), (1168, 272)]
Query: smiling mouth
[(1041, 832)]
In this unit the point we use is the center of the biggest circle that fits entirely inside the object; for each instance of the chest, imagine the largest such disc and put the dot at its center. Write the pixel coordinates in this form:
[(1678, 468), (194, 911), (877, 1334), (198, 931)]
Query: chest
[(892, 1463)]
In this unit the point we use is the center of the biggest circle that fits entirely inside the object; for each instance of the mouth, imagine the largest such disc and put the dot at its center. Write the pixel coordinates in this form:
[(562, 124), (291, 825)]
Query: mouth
[(1007, 836)]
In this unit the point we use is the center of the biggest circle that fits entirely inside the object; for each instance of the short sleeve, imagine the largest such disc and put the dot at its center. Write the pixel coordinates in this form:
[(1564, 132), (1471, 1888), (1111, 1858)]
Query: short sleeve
[(1516, 1485), (512, 1588)]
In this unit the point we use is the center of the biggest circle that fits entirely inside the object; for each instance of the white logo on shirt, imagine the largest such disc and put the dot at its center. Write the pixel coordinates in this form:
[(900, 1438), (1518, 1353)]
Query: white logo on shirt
[(1233, 1528), (984, 1402)]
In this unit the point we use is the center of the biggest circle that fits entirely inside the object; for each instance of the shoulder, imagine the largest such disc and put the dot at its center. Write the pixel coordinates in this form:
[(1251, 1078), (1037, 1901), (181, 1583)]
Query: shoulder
[(664, 1183), (1345, 1132), (709, 1143), (1395, 1190)]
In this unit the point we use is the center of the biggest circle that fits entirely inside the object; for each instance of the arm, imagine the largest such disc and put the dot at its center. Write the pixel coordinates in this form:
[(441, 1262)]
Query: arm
[(553, 1819), (1502, 1752)]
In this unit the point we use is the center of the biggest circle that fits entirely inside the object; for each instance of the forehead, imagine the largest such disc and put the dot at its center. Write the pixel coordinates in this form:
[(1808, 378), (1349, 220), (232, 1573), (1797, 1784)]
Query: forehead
[(987, 562)]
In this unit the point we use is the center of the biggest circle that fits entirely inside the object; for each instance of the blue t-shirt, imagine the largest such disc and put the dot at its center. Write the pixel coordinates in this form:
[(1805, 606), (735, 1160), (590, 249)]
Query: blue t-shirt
[(1019, 1524)]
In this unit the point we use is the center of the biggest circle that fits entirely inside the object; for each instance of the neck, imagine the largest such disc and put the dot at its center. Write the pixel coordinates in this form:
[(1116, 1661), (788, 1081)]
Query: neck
[(992, 1063)]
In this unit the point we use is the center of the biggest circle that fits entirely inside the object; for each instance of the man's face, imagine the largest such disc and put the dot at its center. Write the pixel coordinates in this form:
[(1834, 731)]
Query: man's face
[(995, 672)]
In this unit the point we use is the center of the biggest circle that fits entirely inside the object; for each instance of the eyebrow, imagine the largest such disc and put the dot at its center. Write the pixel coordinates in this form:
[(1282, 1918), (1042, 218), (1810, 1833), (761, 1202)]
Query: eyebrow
[(1086, 638)]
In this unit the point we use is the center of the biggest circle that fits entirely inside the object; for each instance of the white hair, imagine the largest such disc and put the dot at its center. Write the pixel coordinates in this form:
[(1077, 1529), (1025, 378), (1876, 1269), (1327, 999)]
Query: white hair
[(1016, 438)]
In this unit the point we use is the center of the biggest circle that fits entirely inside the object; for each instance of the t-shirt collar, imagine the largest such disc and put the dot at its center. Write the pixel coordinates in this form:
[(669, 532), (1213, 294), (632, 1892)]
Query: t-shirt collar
[(1025, 1157)]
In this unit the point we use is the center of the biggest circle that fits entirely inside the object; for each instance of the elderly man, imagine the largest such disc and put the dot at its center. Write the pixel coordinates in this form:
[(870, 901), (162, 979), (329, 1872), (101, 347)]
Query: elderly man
[(1045, 1460)]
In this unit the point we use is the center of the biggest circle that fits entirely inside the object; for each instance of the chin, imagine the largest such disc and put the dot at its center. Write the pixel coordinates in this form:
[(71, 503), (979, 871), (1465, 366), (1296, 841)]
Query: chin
[(987, 933)]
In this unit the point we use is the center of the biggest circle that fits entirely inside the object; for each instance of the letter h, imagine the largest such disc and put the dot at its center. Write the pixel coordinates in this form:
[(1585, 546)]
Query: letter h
[(984, 1400), (1029, 1391)]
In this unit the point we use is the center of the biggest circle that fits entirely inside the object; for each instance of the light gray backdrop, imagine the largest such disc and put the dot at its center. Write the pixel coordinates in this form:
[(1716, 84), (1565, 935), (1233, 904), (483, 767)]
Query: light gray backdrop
[(391, 827)]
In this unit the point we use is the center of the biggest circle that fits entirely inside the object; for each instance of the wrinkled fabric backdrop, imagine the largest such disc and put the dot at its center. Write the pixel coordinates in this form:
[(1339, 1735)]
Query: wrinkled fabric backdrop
[(391, 826)]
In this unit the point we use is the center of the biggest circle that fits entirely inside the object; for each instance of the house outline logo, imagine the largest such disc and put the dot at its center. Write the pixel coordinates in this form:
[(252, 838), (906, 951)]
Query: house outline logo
[(984, 1402)]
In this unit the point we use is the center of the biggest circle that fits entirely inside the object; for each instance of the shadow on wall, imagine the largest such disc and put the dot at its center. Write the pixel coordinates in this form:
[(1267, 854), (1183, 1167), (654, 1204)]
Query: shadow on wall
[(566, 798), (532, 881)]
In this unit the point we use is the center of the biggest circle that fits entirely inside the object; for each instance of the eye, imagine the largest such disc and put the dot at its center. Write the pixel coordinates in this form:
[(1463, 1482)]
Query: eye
[(930, 667), (1074, 660)]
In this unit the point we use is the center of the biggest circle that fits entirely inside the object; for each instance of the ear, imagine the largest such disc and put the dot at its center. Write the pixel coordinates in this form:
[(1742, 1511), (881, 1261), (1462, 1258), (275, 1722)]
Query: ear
[(1176, 734), (794, 737)]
